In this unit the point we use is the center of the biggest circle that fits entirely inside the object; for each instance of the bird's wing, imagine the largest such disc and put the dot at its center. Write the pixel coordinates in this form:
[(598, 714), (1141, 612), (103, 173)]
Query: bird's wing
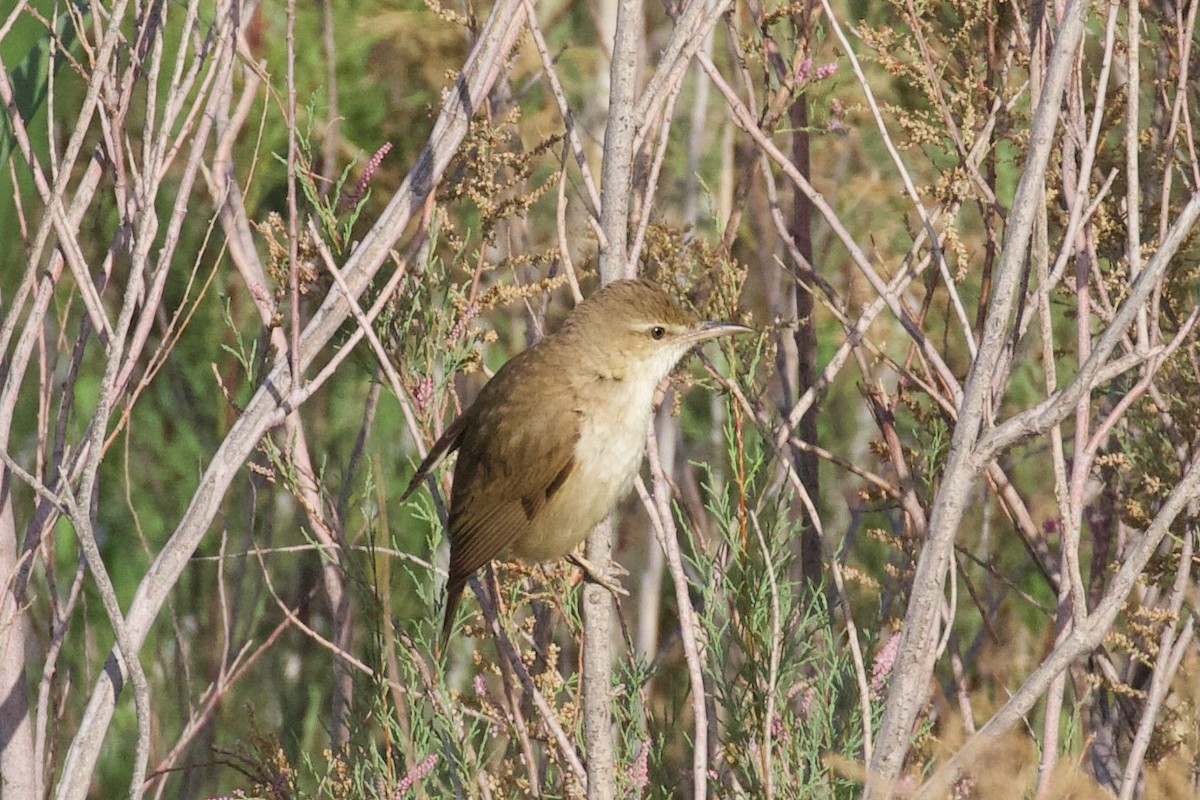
[(512, 461)]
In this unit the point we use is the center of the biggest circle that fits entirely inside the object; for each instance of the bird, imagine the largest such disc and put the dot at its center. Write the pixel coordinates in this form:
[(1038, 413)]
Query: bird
[(556, 438)]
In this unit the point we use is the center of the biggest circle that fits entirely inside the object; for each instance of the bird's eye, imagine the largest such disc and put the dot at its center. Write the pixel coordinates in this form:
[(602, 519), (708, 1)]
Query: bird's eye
[(658, 331)]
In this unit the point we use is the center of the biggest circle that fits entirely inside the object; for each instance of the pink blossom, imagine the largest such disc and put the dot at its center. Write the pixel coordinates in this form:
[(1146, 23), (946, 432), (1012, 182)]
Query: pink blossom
[(802, 70), (415, 774), (424, 393), (351, 198), (824, 72), (639, 770), (460, 327)]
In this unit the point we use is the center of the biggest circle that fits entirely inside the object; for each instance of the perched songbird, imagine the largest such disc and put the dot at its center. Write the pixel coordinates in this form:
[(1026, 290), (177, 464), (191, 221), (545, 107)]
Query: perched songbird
[(556, 437)]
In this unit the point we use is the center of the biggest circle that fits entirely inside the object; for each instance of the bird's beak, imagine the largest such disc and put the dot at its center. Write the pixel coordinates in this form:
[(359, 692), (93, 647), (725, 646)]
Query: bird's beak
[(713, 329)]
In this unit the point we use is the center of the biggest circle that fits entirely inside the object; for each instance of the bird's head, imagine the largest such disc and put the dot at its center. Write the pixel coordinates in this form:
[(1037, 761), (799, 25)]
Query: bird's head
[(635, 324)]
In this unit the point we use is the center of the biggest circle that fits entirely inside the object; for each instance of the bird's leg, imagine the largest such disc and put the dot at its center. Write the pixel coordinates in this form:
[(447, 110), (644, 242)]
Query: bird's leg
[(595, 575)]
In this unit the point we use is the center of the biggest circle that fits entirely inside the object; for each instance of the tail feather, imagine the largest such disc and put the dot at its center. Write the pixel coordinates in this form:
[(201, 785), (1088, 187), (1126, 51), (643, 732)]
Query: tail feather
[(454, 593), (446, 444)]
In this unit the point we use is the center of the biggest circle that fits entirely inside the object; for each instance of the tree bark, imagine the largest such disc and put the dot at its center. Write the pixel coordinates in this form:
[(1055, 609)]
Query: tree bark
[(616, 184)]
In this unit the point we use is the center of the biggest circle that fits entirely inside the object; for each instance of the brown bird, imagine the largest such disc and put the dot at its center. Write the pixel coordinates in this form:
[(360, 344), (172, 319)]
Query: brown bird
[(556, 437)]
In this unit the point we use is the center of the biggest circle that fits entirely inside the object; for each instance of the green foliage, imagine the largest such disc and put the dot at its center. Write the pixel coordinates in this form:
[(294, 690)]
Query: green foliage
[(480, 274), (31, 77), (770, 642)]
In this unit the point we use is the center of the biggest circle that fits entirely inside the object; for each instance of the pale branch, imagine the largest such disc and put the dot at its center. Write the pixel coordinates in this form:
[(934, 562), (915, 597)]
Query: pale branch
[(1171, 645), (1081, 640), (915, 660), (616, 179), (698, 19), (658, 507), (1096, 369), (275, 398)]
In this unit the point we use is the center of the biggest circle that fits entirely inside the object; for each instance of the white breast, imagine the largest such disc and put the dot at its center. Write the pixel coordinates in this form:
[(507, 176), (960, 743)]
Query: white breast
[(608, 457)]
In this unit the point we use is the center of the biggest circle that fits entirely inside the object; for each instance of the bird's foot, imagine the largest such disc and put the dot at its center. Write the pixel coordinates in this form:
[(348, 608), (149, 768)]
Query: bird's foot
[(607, 579)]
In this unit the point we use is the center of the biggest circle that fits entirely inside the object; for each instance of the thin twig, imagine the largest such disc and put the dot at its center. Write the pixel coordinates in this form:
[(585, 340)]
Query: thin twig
[(664, 530), (775, 657)]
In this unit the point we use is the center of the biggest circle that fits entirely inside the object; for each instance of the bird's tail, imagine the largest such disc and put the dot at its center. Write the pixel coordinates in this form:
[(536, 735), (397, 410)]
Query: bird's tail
[(454, 592)]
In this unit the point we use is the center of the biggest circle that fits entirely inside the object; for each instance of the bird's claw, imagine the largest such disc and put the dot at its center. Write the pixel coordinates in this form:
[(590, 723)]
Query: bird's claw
[(606, 579)]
